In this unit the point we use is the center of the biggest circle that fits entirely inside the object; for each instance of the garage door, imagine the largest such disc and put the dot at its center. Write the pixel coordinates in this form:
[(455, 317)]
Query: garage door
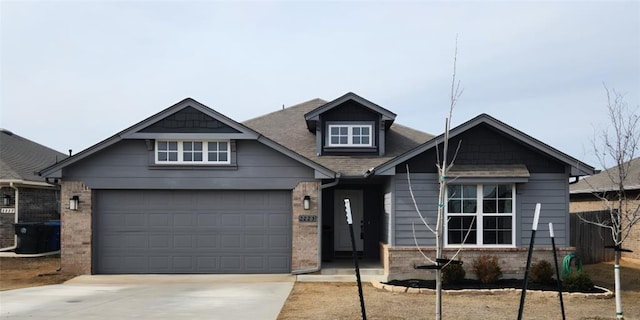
[(196, 231)]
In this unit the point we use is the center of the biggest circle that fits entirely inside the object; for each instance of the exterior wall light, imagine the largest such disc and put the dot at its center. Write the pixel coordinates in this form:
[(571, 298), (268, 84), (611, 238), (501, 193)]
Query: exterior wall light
[(306, 203), (73, 203), (6, 200)]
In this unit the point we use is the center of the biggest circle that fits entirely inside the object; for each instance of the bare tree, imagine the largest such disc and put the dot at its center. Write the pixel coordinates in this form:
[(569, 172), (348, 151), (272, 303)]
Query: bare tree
[(443, 166), (618, 143)]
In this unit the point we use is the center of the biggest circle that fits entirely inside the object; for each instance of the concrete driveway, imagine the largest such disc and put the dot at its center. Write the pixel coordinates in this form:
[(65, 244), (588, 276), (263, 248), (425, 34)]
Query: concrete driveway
[(152, 297)]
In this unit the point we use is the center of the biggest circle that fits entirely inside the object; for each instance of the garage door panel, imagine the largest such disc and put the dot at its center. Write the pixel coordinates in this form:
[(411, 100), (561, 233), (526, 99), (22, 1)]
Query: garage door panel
[(192, 231)]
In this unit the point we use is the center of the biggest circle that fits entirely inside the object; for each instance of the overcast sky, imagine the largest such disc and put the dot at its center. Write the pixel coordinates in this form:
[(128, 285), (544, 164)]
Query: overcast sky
[(74, 73)]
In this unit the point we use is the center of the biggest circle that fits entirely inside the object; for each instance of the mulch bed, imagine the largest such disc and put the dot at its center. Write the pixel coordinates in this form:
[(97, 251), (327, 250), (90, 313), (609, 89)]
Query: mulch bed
[(476, 284)]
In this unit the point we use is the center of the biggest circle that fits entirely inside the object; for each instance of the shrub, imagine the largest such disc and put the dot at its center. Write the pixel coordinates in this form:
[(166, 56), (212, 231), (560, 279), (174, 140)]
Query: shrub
[(577, 281), (486, 268), (453, 273), (541, 272)]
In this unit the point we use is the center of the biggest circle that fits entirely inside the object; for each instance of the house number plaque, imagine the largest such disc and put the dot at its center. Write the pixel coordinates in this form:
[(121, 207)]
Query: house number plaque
[(307, 218)]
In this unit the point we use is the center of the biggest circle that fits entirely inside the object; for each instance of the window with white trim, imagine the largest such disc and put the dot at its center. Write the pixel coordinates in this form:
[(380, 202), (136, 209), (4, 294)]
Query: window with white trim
[(483, 213), (350, 135), (192, 152)]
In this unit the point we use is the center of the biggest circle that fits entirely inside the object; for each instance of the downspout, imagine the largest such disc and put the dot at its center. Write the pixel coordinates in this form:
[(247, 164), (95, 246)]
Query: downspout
[(322, 187), (15, 218)]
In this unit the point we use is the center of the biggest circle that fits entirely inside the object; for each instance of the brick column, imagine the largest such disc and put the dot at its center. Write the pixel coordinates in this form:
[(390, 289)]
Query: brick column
[(75, 237), (305, 249)]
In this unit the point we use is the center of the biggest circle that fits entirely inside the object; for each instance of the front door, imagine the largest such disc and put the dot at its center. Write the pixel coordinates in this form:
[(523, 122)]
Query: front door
[(341, 235)]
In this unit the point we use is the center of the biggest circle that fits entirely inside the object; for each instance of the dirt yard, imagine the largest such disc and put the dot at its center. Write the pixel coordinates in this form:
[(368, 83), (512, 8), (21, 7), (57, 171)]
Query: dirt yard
[(30, 272), (340, 300)]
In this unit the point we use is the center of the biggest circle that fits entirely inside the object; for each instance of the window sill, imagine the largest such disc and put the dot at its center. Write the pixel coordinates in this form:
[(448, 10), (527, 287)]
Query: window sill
[(350, 149), (182, 166)]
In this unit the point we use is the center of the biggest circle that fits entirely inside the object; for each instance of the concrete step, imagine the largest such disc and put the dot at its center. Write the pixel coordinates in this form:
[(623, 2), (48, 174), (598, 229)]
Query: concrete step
[(339, 278), (351, 271)]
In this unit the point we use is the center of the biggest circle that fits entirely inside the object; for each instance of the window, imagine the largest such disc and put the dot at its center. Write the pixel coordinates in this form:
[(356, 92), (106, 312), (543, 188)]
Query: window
[(350, 135), (192, 152), (167, 151), (218, 151), (484, 211)]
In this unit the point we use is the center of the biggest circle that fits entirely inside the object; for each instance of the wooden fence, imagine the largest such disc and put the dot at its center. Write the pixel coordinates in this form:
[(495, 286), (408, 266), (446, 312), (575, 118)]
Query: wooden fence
[(590, 240)]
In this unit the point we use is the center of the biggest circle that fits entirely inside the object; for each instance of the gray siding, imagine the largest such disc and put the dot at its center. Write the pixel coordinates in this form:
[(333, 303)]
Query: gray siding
[(127, 165), (551, 190), (425, 189)]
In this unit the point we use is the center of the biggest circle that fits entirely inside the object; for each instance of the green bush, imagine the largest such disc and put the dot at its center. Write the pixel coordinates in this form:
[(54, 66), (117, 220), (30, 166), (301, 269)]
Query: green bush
[(541, 272), (577, 281), (453, 273), (486, 269)]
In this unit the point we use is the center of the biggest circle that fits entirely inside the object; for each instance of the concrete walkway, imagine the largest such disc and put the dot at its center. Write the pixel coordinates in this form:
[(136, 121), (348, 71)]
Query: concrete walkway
[(152, 297)]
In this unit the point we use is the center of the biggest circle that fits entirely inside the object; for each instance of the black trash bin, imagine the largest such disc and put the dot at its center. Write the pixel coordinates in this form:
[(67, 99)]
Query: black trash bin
[(33, 237), (54, 237)]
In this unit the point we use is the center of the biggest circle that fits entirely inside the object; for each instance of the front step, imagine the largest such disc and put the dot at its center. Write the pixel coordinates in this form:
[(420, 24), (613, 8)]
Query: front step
[(352, 271), (341, 274)]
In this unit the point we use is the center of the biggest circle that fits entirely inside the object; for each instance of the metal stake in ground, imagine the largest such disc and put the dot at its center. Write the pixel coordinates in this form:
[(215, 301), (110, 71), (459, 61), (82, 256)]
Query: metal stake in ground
[(555, 260), (347, 209), (534, 227)]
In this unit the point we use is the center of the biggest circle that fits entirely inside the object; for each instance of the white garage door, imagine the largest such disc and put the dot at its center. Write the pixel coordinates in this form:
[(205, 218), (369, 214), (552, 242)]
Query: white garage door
[(192, 231)]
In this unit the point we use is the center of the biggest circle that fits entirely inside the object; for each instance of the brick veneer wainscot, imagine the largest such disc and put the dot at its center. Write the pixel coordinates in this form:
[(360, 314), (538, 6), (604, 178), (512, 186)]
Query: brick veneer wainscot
[(511, 260), (76, 230), (304, 248)]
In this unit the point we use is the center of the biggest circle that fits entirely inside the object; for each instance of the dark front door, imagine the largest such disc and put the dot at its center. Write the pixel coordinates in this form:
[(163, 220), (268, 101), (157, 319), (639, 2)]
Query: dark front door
[(366, 208)]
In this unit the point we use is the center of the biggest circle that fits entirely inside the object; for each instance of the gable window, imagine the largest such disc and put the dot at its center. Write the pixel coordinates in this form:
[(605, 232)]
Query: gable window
[(218, 151), (167, 151), (484, 211), (350, 135), (192, 152)]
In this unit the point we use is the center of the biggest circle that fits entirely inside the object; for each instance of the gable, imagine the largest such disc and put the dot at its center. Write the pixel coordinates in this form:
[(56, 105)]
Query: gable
[(350, 111), (189, 120), (189, 130), (483, 145)]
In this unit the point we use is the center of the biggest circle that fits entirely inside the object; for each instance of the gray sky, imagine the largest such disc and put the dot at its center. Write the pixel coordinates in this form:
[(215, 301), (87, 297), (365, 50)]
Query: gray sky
[(74, 73)]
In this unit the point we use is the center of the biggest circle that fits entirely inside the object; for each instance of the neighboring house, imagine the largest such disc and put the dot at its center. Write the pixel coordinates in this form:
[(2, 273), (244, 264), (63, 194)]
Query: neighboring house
[(24, 195), (586, 192), (189, 190)]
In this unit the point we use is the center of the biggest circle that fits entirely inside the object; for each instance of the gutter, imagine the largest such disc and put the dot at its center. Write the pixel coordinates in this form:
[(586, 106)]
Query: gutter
[(334, 183), (15, 218)]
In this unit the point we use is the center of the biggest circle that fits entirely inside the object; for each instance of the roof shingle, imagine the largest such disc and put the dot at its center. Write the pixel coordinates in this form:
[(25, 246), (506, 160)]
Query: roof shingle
[(21, 158), (288, 128)]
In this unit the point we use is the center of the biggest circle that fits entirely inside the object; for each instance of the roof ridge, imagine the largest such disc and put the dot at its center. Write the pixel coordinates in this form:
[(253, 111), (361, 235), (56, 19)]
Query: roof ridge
[(297, 105)]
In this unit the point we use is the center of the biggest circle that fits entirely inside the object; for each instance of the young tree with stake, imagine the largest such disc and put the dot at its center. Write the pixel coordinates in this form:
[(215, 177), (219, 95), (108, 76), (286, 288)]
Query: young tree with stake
[(443, 166), (619, 143)]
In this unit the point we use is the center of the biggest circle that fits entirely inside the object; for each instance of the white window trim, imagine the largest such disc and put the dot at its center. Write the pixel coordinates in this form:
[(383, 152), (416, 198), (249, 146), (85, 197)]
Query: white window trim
[(205, 153), (350, 135), (480, 219)]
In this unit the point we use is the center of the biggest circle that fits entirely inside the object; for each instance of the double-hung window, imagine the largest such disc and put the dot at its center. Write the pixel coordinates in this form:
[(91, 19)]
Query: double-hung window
[(483, 213), (350, 135), (192, 152)]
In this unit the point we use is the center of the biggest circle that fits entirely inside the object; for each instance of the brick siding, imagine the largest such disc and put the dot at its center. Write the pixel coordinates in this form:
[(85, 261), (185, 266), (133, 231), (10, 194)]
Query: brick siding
[(304, 248), (512, 261), (76, 229), (35, 205)]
